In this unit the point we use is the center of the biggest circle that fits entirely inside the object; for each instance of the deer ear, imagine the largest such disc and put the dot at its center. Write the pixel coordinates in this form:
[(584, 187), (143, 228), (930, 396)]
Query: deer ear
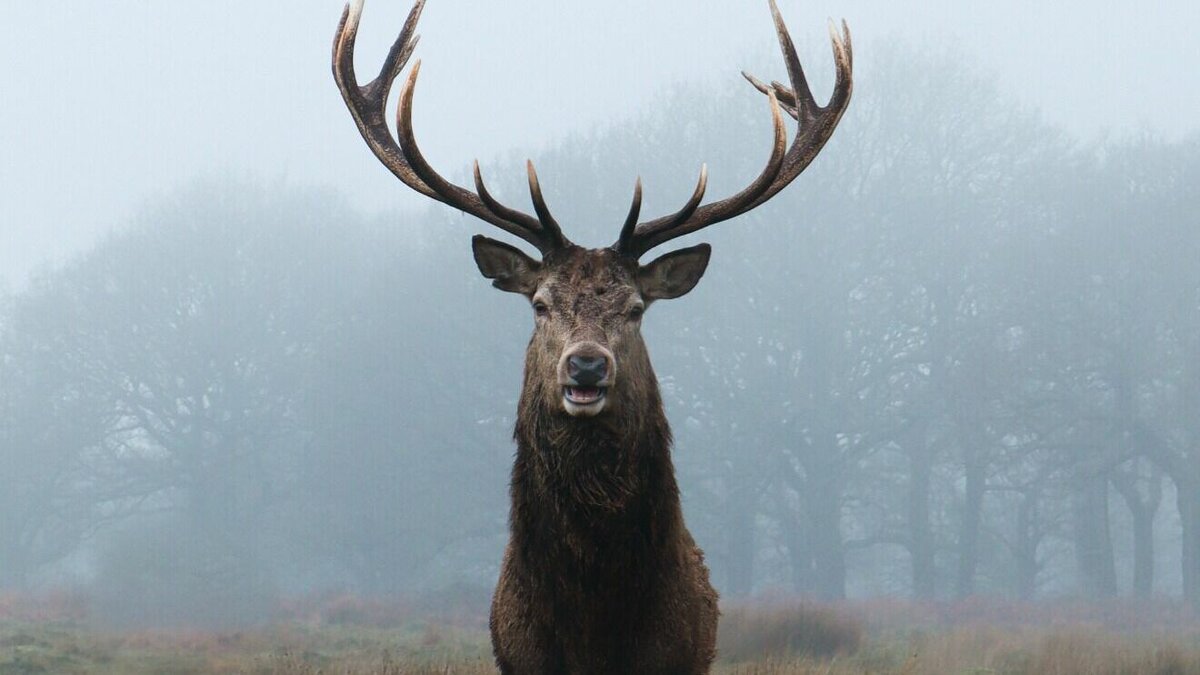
[(508, 268), (675, 273)]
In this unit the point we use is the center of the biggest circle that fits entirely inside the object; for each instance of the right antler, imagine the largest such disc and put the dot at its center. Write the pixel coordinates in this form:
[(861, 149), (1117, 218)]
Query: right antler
[(816, 126), (368, 104)]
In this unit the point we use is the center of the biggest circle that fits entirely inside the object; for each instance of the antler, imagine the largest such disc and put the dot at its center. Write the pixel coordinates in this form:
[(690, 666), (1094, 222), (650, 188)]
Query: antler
[(816, 125), (368, 105)]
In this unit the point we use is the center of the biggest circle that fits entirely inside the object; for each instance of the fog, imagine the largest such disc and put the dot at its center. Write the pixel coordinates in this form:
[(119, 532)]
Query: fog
[(109, 104), (242, 363)]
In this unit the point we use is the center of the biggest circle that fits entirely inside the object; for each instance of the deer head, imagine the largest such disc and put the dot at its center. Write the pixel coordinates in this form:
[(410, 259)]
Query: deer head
[(586, 356)]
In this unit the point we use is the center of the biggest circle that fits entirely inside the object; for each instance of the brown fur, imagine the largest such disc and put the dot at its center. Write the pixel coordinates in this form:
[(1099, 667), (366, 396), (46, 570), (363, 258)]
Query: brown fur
[(600, 574)]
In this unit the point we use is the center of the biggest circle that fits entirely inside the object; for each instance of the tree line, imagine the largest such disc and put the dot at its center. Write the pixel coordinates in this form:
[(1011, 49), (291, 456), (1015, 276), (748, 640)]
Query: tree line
[(961, 355)]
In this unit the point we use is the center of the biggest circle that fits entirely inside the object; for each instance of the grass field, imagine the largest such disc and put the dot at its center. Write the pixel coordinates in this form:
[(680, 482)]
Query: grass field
[(352, 636)]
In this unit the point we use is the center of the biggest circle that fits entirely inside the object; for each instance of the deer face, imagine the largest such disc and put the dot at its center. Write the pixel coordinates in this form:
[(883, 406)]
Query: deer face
[(587, 355)]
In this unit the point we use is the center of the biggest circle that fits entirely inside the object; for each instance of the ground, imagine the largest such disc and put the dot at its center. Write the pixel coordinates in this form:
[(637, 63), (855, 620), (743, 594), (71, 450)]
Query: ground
[(346, 635)]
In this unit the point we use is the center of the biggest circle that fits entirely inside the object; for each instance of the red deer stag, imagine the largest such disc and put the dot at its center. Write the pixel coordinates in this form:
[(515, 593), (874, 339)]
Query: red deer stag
[(600, 574)]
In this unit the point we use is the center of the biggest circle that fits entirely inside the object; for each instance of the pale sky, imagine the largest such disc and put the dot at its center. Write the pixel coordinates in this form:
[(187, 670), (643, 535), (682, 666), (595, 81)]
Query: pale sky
[(109, 104)]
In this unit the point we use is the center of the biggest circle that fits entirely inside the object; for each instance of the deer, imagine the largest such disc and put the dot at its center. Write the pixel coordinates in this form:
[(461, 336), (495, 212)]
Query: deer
[(600, 573)]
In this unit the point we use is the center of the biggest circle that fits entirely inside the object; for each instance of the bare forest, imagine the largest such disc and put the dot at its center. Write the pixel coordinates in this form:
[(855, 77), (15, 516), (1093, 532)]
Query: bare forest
[(950, 376)]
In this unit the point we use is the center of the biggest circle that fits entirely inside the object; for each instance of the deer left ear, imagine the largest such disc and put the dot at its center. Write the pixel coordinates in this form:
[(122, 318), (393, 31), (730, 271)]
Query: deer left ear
[(508, 268), (675, 273)]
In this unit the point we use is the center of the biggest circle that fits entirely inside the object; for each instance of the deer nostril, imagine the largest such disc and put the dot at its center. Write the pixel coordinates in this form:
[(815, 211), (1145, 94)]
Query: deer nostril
[(587, 370)]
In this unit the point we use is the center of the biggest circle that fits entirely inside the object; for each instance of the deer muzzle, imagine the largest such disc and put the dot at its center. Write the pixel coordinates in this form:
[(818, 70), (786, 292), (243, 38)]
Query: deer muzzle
[(585, 372)]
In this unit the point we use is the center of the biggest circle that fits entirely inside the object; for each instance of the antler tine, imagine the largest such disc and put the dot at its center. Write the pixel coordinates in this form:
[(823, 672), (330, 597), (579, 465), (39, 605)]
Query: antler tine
[(402, 49), (630, 235), (652, 233), (635, 209), (844, 57), (787, 100), (801, 93), (498, 208), (549, 225), (401, 155), (816, 125), (693, 202)]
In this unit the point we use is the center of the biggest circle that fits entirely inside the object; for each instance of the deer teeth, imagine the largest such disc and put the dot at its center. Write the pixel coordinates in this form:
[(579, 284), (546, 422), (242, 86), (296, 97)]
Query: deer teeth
[(583, 395)]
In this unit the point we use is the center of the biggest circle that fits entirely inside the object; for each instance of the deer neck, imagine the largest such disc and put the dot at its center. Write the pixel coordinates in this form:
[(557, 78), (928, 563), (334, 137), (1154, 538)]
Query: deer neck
[(590, 484)]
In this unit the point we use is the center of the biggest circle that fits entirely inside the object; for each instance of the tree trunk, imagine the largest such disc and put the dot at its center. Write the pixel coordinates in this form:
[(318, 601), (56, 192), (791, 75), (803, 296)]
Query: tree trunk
[(1141, 511), (968, 529), (822, 460), (739, 539), (1188, 500), (921, 544), (800, 556), (1027, 545), (825, 541), (1143, 553), (1093, 541)]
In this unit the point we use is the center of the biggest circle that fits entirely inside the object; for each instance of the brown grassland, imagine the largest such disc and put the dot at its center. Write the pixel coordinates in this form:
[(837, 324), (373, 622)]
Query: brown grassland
[(336, 635)]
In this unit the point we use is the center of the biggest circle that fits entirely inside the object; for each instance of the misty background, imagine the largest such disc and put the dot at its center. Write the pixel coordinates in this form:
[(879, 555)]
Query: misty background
[(241, 362)]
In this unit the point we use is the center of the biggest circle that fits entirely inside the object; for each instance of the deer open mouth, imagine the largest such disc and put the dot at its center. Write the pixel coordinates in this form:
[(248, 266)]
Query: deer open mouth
[(584, 401), (584, 396)]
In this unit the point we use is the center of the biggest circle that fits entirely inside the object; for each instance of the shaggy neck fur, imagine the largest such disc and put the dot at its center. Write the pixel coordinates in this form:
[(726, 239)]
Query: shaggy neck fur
[(594, 497)]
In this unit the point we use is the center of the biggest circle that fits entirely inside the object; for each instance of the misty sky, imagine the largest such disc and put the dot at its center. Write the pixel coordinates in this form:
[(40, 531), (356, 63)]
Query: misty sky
[(110, 103)]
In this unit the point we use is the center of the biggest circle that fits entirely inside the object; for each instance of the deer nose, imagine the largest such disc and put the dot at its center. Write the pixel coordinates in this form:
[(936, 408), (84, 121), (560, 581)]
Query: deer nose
[(587, 370)]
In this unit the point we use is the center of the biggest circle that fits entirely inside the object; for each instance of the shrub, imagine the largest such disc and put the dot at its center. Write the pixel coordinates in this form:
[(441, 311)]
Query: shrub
[(802, 629)]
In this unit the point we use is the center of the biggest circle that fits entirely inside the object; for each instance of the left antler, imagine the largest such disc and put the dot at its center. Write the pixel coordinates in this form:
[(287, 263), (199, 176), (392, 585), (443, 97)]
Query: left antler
[(367, 105), (816, 125)]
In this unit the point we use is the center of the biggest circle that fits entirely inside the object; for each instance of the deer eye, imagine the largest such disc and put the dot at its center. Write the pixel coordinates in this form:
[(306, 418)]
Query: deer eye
[(540, 308), (636, 313)]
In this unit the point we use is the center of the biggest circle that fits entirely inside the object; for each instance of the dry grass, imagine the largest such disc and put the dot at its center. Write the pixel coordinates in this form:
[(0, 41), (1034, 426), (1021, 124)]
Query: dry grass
[(787, 631), (1067, 652), (345, 637), (292, 664), (792, 667)]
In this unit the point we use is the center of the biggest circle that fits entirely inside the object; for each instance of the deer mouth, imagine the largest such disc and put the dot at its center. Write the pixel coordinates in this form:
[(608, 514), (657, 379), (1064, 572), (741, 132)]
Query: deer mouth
[(584, 400)]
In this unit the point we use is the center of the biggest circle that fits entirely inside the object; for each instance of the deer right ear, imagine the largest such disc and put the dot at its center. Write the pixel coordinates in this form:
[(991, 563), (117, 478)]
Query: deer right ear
[(675, 273), (507, 266)]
